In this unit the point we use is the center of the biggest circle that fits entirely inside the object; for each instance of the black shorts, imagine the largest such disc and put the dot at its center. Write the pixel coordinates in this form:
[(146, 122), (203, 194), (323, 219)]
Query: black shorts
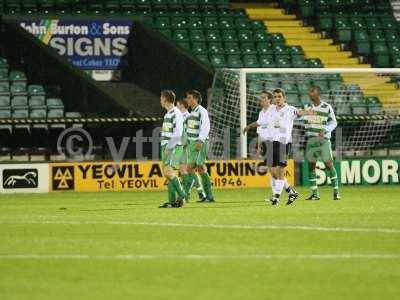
[(275, 153)]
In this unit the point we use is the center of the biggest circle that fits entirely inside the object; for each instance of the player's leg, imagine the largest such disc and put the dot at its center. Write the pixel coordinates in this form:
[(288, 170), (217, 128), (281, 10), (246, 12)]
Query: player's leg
[(278, 168), (293, 194), (170, 164), (202, 170), (312, 155), (327, 157), (195, 180)]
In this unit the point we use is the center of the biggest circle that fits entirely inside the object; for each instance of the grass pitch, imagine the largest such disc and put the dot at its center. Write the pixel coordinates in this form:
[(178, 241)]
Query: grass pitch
[(121, 246)]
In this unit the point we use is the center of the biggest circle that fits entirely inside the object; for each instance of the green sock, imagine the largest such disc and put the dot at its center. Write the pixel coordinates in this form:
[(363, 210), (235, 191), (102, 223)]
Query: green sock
[(178, 187), (187, 183), (197, 182), (334, 179), (313, 183), (171, 192), (205, 179)]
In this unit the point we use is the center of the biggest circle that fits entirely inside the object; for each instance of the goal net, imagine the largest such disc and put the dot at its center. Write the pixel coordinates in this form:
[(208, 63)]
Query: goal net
[(366, 103)]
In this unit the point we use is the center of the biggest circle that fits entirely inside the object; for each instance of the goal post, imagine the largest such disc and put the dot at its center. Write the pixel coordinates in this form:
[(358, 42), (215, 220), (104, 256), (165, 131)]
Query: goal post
[(371, 94)]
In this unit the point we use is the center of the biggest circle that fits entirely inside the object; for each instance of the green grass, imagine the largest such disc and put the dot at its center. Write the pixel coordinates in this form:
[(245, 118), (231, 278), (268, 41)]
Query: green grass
[(119, 245)]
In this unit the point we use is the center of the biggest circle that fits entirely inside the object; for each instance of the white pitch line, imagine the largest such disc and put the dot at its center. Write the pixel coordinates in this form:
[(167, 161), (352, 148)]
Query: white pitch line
[(218, 226), (127, 257)]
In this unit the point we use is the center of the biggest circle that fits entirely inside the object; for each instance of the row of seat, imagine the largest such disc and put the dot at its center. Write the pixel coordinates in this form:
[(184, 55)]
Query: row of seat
[(328, 22), (195, 22), (243, 48), (258, 61)]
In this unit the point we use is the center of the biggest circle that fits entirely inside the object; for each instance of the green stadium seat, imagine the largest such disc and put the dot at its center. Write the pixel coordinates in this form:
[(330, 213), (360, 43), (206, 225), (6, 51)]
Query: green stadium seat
[(293, 99), (374, 105), (357, 23), (17, 76), (55, 113), (264, 48), (234, 61), (203, 58), (54, 103), (303, 86), (162, 22), (4, 101), (260, 36), (3, 74), (377, 36), (195, 23), (391, 36), (295, 50), (250, 61), (216, 48), (197, 36), (20, 114), (5, 114), (325, 24), (323, 84), (334, 84), (184, 45), (166, 32), (229, 36), (218, 61), (19, 102), (277, 38), (181, 35), (232, 48), (389, 23), (395, 62), (73, 114), (289, 87), (4, 88), (179, 23), (314, 63), (283, 62), (248, 48), (243, 23), (226, 23), (38, 113), (37, 102), (258, 25), (211, 23), (363, 48), (382, 60), (306, 8), (199, 48), (266, 61), (380, 48), (18, 89), (298, 61), (36, 90), (373, 23), (213, 36), (361, 36), (280, 49), (3, 63), (359, 108), (245, 35)]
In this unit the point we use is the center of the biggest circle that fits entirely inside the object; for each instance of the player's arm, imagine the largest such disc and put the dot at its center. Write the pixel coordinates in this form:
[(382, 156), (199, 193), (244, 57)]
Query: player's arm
[(204, 128), (253, 125), (177, 134), (332, 123), (304, 112)]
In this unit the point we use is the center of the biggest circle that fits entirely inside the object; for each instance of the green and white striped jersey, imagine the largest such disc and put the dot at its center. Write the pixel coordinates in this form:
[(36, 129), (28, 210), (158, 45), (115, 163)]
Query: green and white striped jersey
[(198, 124), (185, 116), (172, 128), (323, 120)]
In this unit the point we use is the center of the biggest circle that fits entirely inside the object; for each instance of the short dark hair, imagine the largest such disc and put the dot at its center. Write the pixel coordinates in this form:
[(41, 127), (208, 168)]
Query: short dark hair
[(169, 95), (183, 102), (268, 93), (280, 91), (315, 88), (195, 94)]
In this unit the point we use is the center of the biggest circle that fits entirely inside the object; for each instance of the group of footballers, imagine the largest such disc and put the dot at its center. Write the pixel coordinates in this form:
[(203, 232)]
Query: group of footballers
[(184, 141)]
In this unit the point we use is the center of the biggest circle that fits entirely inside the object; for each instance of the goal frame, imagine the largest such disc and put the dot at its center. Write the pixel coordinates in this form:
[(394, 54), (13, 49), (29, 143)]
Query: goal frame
[(243, 91)]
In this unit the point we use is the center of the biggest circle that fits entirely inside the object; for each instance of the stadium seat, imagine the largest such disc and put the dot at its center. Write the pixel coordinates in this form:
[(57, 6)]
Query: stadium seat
[(38, 113), (20, 114), (267, 61), (218, 61), (199, 48), (248, 48), (18, 89), (234, 61), (38, 102), (36, 90), (55, 113), (213, 36), (73, 114), (229, 36), (232, 48), (250, 61), (197, 36), (54, 103), (216, 48)]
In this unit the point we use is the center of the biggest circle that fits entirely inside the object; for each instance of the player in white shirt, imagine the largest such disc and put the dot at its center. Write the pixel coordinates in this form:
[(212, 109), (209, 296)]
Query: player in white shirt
[(265, 136), (282, 119)]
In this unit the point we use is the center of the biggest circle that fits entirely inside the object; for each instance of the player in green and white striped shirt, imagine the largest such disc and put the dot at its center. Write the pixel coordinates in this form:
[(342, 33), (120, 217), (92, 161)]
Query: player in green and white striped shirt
[(318, 133), (188, 180), (171, 149), (198, 129)]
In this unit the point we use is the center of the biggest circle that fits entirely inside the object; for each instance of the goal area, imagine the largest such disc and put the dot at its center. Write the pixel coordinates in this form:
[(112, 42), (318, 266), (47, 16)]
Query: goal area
[(366, 102)]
